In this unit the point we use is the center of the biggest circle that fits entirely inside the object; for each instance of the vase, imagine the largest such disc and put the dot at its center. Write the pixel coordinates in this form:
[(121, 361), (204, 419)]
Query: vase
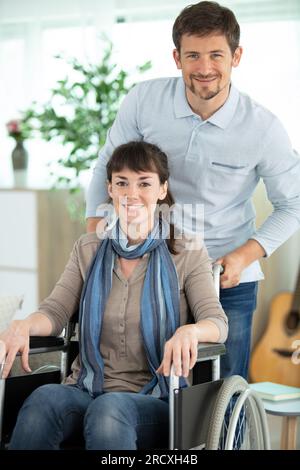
[(20, 164)]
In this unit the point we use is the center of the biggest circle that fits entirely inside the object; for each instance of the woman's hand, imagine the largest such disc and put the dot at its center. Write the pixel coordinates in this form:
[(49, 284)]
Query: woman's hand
[(15, 339), (181, 350)]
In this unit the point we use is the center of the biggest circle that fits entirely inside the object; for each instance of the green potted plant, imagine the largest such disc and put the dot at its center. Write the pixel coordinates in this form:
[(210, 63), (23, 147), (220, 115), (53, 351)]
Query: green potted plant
[(79, 113)]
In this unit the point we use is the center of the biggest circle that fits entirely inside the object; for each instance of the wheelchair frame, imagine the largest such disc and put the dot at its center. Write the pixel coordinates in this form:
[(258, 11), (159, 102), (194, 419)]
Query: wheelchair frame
[(185, 431), (206, 352)]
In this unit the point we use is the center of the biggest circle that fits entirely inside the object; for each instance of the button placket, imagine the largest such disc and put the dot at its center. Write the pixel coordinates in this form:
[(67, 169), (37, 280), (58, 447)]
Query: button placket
[(122, 321), (194, 161), (193, 150)]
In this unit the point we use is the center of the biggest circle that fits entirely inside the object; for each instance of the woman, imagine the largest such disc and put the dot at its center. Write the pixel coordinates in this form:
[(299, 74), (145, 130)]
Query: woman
[(135, 287)]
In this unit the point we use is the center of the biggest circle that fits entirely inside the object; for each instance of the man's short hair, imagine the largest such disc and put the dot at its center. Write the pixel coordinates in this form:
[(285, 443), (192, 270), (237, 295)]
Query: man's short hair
[(205, 18)]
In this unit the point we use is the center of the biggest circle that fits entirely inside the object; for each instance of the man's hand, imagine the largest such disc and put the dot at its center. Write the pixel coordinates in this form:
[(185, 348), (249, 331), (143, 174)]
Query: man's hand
[(181, 350), (233, 265), (236, 261)]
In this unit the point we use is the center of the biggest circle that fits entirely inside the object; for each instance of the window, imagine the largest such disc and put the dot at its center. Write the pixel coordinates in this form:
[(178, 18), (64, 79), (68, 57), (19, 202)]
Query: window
[(138, 42), (270, 70)]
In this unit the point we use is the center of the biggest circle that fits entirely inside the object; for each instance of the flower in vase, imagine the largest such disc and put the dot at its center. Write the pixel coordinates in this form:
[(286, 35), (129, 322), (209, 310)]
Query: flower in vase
[(17, 130)]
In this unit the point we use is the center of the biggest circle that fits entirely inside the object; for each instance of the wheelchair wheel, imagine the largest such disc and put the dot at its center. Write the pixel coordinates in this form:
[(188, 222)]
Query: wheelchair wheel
[(238, 421)]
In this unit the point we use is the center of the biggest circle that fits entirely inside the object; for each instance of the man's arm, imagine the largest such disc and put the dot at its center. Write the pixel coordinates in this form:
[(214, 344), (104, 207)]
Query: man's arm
[(124, 129), (236, 261), (279, 167)]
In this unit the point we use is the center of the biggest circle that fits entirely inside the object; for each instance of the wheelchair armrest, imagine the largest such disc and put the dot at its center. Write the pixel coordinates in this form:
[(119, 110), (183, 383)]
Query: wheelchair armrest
[(42, 344), (44, 341), (206, 352), (209, 350)]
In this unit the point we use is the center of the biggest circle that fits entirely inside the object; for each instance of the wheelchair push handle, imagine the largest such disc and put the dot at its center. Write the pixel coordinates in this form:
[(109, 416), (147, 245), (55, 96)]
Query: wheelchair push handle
[(217, 271)]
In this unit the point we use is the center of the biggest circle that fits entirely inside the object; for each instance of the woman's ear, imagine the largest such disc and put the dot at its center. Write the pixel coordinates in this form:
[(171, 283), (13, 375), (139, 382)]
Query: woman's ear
[(164, 191), (109, 188)]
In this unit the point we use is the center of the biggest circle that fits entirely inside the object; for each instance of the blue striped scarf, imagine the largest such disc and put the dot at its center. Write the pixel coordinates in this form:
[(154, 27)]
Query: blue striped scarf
[(159, 307)]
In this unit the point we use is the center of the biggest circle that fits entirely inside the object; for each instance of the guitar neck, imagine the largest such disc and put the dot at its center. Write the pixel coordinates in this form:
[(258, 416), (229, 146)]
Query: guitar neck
[(296, 296)]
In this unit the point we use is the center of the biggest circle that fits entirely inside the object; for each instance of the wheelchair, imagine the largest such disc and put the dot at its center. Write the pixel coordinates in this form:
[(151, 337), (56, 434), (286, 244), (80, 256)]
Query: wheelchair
[(211, 413)]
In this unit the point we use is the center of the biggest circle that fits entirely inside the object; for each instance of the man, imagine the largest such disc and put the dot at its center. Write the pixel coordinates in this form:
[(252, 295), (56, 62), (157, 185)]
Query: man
[(219, 143)]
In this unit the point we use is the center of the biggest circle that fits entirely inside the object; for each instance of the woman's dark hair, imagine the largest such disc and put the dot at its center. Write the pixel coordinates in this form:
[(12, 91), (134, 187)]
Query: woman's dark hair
[(141, 156), (204, 18)]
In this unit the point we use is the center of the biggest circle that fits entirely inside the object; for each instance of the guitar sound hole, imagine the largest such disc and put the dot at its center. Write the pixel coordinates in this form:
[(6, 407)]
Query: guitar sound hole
[(292, 321)]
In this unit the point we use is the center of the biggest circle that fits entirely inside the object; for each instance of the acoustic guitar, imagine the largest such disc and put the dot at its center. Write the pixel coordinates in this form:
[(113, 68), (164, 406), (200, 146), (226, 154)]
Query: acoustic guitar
[(272, 359)]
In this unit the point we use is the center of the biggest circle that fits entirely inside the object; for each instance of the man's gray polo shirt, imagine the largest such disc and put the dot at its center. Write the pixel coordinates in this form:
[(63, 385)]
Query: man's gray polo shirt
[(217, 162)]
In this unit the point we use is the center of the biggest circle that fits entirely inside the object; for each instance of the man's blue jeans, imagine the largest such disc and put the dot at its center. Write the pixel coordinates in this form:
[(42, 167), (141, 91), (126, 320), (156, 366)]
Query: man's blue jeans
[(239, 304), (116, 420)]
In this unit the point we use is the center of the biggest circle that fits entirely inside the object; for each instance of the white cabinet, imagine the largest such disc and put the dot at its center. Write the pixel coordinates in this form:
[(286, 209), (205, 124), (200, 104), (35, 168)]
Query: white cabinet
[(36, 237)]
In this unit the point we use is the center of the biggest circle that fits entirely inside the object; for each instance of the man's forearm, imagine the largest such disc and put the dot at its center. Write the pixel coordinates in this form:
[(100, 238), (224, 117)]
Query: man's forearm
[(237, 260), (250, 252), (279, 226)]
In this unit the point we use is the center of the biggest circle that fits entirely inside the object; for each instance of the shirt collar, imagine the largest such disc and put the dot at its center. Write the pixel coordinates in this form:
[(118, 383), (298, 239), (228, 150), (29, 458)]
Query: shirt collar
[(220, 118), (224, 115), (181, 105)]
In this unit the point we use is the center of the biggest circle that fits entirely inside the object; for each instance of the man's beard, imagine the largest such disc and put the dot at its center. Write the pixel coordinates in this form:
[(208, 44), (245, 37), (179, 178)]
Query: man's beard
[(204, 95)]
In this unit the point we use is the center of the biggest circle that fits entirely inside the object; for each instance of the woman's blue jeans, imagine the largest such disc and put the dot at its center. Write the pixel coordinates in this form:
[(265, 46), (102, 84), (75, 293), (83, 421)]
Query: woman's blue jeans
[(116, 420), (239, 304)]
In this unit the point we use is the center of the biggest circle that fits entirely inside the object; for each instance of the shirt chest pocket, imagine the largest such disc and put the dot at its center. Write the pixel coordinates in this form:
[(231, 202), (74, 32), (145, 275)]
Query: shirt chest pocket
[(229, 166)]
